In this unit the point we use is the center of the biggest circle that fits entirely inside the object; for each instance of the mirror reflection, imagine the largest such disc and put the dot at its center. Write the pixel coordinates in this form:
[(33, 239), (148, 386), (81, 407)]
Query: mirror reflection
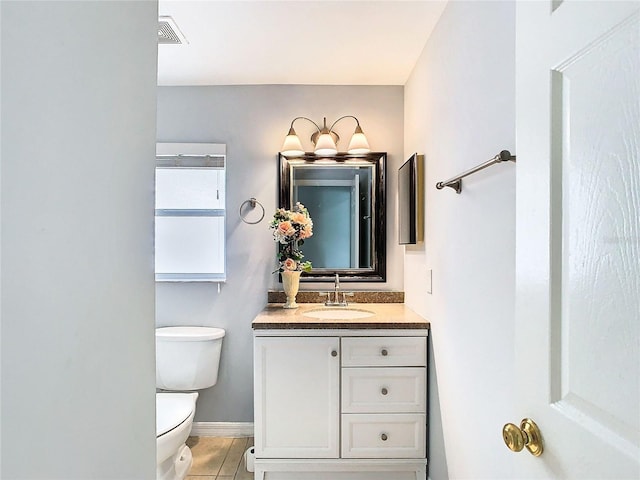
[(345, 197)]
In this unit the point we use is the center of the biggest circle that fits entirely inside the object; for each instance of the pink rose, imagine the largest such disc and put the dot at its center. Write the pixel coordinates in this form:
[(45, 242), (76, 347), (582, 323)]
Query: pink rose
[(290, 264), (285, 229), (299, 218), (306, 232)]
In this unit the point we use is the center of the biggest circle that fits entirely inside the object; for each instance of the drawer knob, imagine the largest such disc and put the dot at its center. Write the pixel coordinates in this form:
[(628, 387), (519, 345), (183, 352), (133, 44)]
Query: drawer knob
[(384, 391), (384, 437), (334, 353), (384, 352)]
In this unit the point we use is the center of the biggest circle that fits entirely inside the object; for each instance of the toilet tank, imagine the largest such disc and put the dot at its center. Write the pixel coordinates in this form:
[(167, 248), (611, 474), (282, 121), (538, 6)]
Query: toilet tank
[(187, 358)]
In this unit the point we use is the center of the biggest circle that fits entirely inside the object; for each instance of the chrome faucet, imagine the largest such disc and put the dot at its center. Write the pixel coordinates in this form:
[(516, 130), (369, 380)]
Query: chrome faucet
[(336, 295)]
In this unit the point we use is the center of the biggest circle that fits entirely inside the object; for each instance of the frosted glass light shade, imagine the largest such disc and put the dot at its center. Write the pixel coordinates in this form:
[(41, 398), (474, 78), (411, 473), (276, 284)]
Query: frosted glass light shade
[(325, 145), (358, 143), (292, 147)]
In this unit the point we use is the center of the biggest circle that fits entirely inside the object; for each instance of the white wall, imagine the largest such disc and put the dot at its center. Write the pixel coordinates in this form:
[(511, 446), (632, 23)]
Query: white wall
[(78, 144), (459, 112), (253, 121)]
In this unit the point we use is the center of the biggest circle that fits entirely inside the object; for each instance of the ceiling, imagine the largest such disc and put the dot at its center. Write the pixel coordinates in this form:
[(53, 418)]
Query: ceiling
[(295, 42)]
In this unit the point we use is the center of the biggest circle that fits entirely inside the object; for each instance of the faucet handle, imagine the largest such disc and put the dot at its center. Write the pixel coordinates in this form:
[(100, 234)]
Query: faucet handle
[(345, 295), (328, 301)]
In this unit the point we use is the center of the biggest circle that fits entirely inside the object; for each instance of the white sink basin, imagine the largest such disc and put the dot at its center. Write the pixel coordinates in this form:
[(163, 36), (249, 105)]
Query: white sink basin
[(338, 313)]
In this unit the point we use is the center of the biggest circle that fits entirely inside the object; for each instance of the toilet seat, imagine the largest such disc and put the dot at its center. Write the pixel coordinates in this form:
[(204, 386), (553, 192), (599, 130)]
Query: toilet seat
[(189, 334), (172, 410)]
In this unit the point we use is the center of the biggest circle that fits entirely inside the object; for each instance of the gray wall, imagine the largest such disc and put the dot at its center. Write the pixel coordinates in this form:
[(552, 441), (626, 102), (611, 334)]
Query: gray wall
[(78, 142), (252, 121), (460, 111)]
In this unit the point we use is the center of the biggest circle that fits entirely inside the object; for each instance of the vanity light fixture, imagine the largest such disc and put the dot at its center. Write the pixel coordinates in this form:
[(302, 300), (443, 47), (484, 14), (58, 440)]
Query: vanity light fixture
[(325, 140)]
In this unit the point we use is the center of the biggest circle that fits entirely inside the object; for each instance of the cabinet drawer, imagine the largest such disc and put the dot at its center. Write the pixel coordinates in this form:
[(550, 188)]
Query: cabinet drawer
[(384, 390), (398, 435), (384, 351)]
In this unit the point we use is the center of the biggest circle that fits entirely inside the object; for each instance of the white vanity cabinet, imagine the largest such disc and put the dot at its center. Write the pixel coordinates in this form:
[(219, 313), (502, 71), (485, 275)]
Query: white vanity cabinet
[(340, 404)]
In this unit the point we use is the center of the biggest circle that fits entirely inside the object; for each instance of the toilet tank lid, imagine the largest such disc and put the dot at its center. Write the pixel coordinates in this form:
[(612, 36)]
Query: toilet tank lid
[(189, 334)]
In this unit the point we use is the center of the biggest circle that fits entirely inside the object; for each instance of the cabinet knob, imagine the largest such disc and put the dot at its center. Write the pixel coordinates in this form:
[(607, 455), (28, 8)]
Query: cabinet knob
[(384, 352), (384, 437), (384, 391), (334, 353)]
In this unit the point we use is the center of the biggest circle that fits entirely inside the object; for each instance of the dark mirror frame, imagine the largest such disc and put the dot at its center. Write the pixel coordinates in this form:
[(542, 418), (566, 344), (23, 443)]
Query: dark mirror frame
[(378, 270)]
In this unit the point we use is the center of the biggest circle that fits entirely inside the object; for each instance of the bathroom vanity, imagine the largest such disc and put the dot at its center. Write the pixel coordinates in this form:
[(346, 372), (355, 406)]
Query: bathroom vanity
[(340, 393)]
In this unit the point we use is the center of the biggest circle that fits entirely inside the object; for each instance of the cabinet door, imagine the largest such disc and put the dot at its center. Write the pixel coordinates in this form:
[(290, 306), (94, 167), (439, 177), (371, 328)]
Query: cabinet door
[(297, 397)]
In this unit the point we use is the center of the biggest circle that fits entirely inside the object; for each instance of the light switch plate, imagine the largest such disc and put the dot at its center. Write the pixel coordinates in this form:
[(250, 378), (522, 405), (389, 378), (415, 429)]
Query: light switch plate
[(430, 281)]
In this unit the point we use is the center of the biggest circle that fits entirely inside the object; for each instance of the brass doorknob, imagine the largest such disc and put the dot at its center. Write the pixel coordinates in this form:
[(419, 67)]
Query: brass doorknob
[(528, 435)]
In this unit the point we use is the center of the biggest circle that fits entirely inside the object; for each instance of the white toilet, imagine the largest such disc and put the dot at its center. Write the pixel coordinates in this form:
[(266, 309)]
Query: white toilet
[(187, 359)]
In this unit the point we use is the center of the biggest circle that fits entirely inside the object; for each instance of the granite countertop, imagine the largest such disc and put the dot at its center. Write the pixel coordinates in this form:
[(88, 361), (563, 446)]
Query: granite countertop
[(387, 316), (310, 296)]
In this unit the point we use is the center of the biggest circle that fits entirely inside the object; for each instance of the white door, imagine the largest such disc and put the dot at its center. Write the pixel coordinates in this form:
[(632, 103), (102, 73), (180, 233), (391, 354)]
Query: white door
[(297, 397), (578, 236)]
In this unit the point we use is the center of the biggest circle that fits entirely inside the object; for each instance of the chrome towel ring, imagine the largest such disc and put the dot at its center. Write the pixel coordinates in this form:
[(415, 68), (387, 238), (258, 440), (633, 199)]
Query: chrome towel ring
[(253, 202)]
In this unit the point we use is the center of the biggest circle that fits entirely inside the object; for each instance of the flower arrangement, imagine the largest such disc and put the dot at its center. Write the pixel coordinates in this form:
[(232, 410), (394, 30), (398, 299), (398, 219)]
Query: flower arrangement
[(290, 229)]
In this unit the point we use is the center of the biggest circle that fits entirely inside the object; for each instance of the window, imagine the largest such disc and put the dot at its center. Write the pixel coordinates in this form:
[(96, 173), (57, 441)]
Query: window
[(190, 212)]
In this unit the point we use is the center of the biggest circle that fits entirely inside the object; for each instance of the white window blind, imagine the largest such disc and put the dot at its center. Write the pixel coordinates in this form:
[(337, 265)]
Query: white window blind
[(190, 213)]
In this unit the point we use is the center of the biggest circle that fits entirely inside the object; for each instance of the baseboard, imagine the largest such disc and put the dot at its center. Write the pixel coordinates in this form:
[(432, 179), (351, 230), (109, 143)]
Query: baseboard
[(222, 429)]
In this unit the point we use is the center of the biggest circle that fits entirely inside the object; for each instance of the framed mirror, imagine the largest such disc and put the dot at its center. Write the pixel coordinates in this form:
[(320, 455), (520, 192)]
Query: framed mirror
[(345, 196)]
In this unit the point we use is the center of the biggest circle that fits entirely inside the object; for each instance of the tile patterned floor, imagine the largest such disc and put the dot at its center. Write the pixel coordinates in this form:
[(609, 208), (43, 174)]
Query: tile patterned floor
[(219, 458)]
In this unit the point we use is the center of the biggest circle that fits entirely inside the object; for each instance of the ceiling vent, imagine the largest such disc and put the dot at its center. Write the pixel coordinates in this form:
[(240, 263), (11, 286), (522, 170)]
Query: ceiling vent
[(169, 33)]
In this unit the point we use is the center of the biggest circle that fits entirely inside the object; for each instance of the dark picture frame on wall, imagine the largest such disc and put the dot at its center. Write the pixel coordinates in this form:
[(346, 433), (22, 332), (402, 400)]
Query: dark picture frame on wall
[(410, 224)]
